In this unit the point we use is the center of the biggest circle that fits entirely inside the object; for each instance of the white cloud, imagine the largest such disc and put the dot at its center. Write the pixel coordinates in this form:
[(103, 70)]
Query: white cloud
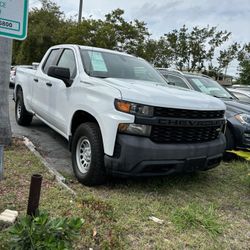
[(163, 16)]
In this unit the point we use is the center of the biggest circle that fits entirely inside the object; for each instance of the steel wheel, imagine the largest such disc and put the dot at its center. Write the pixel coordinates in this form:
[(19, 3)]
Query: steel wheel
[(83, 155)]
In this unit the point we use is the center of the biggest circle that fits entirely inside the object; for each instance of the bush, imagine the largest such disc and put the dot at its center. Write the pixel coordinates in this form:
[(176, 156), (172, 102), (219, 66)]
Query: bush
[(41, 232)]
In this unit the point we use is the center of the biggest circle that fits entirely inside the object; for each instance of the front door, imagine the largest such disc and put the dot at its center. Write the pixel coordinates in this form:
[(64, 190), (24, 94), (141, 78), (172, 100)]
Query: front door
[(59, 94)]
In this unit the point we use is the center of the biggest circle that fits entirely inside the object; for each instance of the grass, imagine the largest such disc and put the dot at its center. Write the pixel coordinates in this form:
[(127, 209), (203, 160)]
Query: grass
[(194, 216), (208, 210)]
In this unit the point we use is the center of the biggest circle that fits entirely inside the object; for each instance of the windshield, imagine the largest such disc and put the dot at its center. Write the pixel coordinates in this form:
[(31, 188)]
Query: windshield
[(107, 64), (209, 86)]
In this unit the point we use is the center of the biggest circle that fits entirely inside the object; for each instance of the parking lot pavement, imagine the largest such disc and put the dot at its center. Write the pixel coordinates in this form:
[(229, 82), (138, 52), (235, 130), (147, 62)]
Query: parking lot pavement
[(52, 146)]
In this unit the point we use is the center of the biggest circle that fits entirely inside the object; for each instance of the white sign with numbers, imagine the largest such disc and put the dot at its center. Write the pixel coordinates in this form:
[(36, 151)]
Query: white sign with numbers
[(14, 18)]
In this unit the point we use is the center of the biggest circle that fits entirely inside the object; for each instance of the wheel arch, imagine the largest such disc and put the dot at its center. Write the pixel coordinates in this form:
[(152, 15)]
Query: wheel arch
[(78, 118), (230, 128), (17, 89)]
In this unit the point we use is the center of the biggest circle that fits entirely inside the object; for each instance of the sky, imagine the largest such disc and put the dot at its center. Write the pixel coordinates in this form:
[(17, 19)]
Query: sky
[(162, 16)]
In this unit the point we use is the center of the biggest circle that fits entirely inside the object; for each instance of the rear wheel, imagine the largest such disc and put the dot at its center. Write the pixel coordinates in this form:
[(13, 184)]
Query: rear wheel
[(88, 155), (23, 117)]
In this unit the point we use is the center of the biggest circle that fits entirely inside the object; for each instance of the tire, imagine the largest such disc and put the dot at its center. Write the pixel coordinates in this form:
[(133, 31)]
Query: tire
[(88, 155), (23, 117), (229, 146), (230, 140)]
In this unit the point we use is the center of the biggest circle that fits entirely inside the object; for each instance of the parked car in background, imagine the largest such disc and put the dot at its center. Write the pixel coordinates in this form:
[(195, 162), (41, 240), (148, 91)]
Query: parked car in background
[(241, 87), (242, 94), (13, 70), (12, 76), (237, 113), (119, 114)]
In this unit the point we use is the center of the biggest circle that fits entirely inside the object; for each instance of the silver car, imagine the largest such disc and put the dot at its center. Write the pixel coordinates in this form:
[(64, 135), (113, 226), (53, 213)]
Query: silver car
[(13, 70)]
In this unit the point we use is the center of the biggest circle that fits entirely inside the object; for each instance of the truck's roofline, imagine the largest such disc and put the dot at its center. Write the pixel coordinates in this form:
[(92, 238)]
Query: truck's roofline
[(91, 48)]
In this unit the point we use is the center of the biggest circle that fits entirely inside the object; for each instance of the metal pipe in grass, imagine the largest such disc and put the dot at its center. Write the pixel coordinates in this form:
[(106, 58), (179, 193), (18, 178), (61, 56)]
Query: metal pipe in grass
[(34, 194)]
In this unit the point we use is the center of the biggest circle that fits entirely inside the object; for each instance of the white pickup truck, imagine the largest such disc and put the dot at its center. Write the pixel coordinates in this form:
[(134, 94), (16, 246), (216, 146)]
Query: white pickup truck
[(119, 114)]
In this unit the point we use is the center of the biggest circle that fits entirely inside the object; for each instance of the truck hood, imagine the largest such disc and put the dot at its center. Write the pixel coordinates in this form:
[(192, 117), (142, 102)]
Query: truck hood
[(161, 95), (236, 107)]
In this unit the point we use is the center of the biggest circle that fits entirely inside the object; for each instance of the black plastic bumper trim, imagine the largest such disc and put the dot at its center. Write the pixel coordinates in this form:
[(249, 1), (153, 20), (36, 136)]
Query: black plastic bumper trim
[(139, 156)]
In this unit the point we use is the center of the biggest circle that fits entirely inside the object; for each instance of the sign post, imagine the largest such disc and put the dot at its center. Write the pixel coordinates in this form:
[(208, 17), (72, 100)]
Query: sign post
[(13, 25)]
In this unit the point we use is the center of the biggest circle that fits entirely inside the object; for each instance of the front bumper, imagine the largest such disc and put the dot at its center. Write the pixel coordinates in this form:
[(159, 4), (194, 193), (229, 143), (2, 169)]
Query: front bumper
[(139, 156), (240, 132)]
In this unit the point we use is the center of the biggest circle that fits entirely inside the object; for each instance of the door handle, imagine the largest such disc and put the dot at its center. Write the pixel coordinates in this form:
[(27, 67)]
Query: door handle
[(36, 80), (49, 84)]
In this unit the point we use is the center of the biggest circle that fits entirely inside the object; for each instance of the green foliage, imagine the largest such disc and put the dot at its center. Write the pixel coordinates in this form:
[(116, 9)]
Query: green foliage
[(43, 233), (185, 49), (43, 24), (48, 27), (244, 72), (194, 216), (191, 50), (244, 59)]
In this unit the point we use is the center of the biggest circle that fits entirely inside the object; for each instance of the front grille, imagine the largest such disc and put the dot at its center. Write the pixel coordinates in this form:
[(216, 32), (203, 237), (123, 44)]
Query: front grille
[(185, 134), (162, 134), (188, 114)]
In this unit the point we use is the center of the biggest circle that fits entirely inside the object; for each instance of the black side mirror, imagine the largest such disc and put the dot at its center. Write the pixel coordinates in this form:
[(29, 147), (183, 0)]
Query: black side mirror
[(60, 73)]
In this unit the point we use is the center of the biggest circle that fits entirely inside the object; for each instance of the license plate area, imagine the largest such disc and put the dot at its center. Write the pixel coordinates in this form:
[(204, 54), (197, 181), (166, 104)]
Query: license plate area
[(194, 164)]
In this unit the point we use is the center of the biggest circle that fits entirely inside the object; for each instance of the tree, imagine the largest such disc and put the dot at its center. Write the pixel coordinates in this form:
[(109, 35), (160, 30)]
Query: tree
[(244, 75), (41, 34), (111, 33), (227, 56), (48, 26), (192, 50), (244, 65)]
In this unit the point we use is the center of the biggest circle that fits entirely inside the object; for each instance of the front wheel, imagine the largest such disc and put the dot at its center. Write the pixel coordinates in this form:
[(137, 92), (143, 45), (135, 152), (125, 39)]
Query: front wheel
[(88, 155), (230, 145)]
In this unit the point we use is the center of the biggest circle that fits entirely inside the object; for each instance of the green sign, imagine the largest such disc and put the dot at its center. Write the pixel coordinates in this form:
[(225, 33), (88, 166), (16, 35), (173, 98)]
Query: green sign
[(14, 18)]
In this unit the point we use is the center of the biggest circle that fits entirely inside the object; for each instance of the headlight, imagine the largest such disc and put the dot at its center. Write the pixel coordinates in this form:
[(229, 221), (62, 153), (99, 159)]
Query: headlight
[(134, 108), (243, 118), (135, 129)]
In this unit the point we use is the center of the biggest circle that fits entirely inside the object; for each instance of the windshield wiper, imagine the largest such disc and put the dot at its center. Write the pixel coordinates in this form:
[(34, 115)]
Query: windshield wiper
[(102, 77), (223, 97)]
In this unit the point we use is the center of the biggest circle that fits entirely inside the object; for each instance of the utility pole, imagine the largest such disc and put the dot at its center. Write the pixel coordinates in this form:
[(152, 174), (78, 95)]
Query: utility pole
[(80, 11), (5, 129)]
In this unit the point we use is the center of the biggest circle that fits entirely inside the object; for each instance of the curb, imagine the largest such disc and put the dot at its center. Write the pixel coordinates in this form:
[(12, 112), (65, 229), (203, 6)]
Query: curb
[(60, 179)]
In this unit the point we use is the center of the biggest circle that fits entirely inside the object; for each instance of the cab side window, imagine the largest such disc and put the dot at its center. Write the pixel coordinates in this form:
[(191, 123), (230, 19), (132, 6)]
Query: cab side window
[(51, 60), (177, 81), (67, 60)]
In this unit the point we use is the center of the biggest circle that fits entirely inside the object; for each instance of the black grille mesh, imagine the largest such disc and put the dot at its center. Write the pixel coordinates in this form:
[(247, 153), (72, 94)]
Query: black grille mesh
[(170, 134), (161, 134), (189, 114)]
